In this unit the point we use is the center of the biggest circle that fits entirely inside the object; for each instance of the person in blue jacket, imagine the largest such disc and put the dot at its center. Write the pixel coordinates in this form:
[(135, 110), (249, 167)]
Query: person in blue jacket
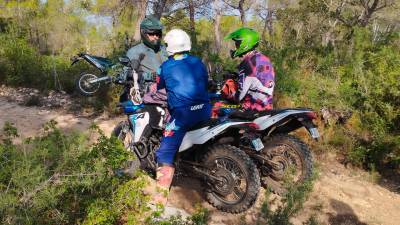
[(185, 79)]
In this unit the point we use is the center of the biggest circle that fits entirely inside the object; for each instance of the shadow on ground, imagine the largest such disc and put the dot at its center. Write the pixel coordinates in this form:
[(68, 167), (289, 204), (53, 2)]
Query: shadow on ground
[(344, 214), (390, 179)]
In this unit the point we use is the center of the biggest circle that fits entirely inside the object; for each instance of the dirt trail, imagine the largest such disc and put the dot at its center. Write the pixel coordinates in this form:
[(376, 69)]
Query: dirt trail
[(29, 120), (340, 196)]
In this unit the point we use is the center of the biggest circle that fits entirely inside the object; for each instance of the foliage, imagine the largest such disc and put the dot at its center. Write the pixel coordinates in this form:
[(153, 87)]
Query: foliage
[(291, 203), (360, 77), (23, 65), (199, 217), (63, 179)]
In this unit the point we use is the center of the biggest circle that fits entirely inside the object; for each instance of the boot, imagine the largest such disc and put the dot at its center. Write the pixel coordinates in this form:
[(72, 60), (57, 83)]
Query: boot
[(164, 177)]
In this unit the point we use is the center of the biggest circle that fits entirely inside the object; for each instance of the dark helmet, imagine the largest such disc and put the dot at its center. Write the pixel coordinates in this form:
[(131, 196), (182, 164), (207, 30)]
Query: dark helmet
[(151, 25)]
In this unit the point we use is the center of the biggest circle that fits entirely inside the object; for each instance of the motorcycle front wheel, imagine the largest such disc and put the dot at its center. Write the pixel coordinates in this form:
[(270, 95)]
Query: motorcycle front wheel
[(122, 132), (292, 159), (84, 86), (239, 181)]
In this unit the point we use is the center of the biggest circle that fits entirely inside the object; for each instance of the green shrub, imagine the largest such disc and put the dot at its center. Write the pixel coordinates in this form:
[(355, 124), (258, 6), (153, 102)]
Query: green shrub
[(200, 217), (292, 203), (361, 76), (63, 179), (22, 65)]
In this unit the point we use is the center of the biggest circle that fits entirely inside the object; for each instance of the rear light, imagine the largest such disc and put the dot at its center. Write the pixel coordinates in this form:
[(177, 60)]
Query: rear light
[(311, 115)]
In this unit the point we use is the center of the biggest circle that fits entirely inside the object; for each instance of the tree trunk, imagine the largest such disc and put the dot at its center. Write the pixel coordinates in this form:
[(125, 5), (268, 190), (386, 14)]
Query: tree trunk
[(192, 22), (242, 12), (159, 8), (328, 37), (217, 23), (270, 22), (264, 28), (142, 6)]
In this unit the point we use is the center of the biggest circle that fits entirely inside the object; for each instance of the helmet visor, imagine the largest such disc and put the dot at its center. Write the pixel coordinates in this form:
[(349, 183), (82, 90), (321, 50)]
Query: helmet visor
[(237, 43), (157, 33)]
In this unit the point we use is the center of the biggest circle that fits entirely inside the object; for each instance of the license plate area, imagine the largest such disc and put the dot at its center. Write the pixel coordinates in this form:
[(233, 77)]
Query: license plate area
[(257, 144)]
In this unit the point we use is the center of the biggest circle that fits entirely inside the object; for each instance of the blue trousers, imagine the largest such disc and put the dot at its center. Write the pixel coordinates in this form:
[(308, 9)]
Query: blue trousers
[(182, 119)]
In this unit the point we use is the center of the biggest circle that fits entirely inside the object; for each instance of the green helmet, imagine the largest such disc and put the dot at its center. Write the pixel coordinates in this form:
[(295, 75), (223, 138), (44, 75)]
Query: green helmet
[(246, 39), (151, 25)]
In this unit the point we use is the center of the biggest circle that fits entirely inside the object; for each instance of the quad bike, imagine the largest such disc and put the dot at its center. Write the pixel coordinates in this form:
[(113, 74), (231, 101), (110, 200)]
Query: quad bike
[(230, 177), (280, 156)]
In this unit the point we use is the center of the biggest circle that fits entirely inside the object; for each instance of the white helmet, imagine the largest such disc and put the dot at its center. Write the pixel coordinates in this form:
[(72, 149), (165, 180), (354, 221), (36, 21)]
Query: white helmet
[(176, 41)]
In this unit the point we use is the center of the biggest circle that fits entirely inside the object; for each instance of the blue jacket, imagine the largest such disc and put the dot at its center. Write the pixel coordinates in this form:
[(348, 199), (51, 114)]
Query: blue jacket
[(185, 80)]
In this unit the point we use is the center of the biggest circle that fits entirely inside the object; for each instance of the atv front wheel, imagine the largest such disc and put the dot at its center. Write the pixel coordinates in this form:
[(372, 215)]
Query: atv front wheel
[(239, 181)]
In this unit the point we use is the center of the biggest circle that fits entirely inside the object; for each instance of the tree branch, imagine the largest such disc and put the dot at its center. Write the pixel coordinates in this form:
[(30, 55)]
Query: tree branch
[(54, 179)]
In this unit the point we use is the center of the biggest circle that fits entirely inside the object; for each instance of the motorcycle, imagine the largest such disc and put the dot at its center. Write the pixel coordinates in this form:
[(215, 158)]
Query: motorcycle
[(230, 177), (88, 84), (279, 156)]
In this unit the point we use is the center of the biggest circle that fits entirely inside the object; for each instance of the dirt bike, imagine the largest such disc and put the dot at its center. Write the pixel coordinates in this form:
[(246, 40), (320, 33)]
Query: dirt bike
[(280, 156), (230, 177), (88, 84)]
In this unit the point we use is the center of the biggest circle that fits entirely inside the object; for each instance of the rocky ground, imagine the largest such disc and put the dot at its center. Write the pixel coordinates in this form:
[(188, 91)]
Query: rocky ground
[(340, 195)]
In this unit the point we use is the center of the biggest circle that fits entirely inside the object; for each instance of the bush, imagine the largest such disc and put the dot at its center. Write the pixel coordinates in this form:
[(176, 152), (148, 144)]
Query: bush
[(361, 77), (22, 65), (199, 217), (291, 204), (63, 179)]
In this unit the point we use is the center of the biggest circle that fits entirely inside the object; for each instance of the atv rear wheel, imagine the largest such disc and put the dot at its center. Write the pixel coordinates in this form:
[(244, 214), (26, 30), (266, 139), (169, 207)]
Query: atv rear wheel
[(122, 132), (239, 182), (292, 162)]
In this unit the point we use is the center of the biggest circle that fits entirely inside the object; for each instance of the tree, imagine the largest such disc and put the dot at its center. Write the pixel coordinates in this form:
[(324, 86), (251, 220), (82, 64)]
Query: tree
[(158, 8), (141, 6), (266, 10), (359, 12), (217, 7), (194, 7), (242, 6)]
